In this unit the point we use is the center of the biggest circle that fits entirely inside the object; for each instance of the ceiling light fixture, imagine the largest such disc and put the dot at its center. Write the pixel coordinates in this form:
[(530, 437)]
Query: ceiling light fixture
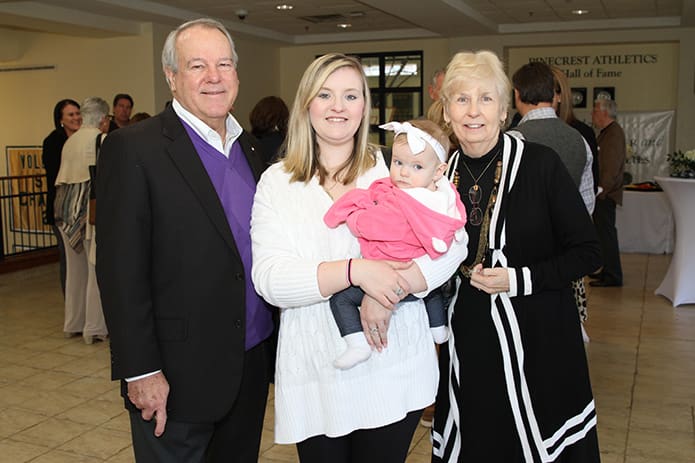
[(580, 12), (344, 25), (284, 7)]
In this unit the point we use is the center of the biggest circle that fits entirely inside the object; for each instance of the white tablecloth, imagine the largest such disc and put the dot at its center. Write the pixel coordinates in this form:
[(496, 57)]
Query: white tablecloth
[(679, 282), (645, 223)]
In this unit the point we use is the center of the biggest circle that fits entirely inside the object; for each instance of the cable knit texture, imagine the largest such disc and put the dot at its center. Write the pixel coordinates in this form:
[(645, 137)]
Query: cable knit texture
[(312, 397)]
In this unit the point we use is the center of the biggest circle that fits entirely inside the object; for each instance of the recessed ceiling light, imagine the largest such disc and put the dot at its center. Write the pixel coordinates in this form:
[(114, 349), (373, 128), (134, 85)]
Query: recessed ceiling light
[(580, 12), (344, 25), (284, 7)]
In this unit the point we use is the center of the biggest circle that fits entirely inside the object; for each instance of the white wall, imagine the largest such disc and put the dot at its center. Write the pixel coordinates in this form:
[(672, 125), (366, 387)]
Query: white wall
[(84, 67)]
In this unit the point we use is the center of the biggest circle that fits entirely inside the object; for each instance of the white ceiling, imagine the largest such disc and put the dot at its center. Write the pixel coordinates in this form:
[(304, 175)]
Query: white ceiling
[(315, 21)]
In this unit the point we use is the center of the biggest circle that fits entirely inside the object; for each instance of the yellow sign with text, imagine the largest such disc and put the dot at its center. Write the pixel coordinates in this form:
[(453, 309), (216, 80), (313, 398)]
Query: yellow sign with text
[(26, 189)]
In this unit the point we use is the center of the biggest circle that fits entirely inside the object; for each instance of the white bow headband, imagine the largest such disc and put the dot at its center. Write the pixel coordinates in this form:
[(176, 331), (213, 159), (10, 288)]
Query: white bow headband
[(416, 138)]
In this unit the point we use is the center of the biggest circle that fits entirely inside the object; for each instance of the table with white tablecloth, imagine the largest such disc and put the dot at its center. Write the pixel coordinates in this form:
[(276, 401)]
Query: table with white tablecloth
[(679, 283), (645, 223)]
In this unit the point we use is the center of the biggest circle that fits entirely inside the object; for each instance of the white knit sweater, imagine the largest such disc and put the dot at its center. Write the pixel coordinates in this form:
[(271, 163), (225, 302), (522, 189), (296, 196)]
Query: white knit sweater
[(312, 397)]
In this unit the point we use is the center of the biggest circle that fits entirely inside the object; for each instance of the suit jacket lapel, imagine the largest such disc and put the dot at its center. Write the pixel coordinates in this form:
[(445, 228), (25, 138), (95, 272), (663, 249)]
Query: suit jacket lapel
[(249, 146), (185, 157)]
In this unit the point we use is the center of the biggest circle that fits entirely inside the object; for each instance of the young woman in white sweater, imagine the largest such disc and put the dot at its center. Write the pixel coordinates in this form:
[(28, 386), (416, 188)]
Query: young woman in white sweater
[(367, 413)]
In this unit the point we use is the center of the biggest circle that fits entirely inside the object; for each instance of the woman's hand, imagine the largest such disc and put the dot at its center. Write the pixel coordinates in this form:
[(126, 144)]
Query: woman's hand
[(375, 322), (491, 280), (381, 280)]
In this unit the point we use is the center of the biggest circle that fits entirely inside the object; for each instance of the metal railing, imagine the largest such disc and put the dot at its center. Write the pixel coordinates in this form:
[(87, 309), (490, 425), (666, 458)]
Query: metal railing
[(23, 226)]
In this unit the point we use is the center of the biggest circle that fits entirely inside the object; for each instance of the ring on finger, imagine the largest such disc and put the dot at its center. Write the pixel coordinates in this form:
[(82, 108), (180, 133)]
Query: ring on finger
[(399, 291), (374, 330)]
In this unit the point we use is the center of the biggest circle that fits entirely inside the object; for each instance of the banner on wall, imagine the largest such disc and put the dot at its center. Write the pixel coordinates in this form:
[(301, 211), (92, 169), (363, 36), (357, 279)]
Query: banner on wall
[(648, 139), (26, 196)]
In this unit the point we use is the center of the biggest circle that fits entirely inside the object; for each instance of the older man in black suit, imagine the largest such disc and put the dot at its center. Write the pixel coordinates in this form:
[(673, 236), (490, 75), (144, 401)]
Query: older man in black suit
[(189, 335)]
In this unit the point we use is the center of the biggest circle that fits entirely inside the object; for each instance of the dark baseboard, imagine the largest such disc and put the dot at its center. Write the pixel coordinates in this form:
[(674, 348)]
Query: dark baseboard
[(28, 260)]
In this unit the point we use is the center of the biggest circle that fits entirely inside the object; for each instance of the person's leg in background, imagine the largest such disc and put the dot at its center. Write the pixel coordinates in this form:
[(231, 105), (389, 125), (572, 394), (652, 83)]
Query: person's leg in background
[(94, 325), (61, 256), (75, 289), (604, 220)]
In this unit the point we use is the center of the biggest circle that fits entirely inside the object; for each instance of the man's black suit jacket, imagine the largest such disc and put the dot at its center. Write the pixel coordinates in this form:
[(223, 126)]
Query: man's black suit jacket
[(170, 275)]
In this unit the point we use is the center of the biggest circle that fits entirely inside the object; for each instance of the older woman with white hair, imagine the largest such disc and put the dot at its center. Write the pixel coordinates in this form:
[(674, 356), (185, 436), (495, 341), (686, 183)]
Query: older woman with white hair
[(515, 383), (83, 313)]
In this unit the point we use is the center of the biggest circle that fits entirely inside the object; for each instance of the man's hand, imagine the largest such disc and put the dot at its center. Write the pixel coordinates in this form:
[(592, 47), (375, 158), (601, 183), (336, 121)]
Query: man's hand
[(150, 395)]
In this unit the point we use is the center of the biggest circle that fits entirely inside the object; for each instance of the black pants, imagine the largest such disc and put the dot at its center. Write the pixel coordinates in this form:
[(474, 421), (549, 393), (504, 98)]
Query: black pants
[(604, 221), (61, 255), (235, 437), (387, 444)]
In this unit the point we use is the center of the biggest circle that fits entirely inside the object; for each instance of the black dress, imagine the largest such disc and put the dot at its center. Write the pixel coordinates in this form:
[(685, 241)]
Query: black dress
[(514, 383)]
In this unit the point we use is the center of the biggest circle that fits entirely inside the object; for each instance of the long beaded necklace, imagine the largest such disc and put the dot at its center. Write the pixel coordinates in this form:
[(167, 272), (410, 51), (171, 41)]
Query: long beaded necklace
[(467, 270), (475, 192)]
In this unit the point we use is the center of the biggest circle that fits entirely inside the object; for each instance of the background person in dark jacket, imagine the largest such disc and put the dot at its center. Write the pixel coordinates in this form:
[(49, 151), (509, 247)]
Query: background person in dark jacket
[(67, 120)]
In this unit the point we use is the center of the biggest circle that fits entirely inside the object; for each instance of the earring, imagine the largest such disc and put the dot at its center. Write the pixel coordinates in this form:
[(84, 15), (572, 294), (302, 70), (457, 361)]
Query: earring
[(61, 124)]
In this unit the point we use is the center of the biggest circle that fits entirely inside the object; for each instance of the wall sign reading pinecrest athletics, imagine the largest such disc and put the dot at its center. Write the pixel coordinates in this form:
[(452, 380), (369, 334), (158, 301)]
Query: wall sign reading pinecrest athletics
[(644, 76)]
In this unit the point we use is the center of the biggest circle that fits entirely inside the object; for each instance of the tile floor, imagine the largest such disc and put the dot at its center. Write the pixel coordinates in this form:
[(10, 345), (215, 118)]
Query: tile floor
[(58, 405)]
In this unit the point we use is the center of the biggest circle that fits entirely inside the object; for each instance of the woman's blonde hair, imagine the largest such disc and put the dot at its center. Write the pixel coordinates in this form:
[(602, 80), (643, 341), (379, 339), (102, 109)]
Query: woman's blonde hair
[(301, 158), (480, 65), (562, 87), (435, 113)]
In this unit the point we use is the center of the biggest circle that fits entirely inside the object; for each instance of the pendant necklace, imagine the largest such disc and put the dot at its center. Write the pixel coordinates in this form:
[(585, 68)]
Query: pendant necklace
[(475, 192)]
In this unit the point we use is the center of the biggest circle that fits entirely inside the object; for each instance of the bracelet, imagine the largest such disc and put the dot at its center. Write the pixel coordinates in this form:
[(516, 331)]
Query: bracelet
[(349, 267)]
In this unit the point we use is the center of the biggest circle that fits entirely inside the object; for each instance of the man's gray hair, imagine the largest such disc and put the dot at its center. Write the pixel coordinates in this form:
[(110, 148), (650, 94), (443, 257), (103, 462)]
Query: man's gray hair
[(169, 56), (438, 72), (93, 110), (609, 105)]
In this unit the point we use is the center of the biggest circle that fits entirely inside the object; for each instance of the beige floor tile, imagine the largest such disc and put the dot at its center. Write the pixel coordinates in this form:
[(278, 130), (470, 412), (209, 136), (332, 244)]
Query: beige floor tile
[(422, 445), (124, 456), (14, 420), (58, 456), (610, 457), (285, 453), (50, 360), (86, 366), (17, 372), (120, 422), (658, 385), (14, 394), (661, 415), (89, 387), (11, 354), (52, 432), (50, 402), (418, 458), (48, 380), (660, 445), (46, 344), (19, 452), (641, 358), (93, 412), (266, 441), (99, 442)]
